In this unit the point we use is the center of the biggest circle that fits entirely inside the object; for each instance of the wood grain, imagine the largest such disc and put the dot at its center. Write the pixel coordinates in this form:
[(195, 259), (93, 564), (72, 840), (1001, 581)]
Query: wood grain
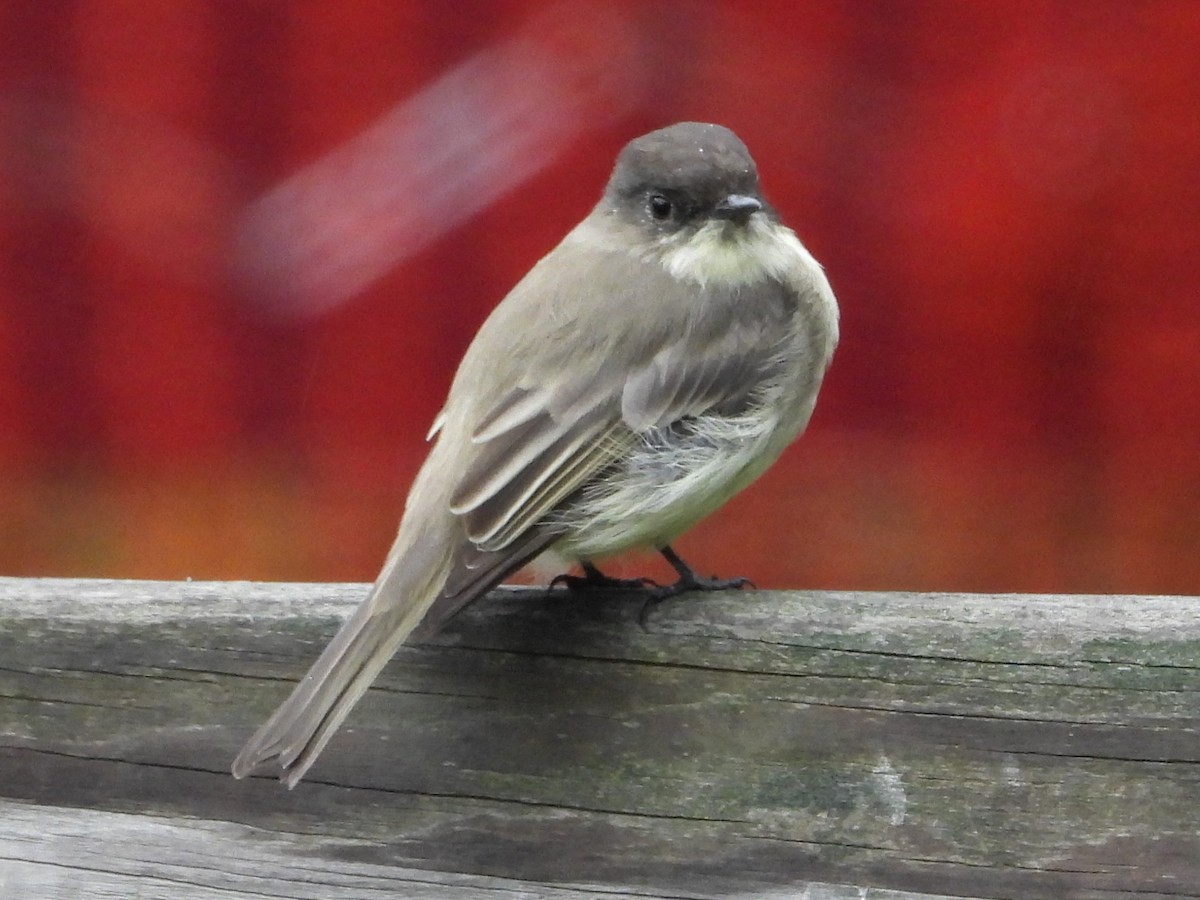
[(740, 745)]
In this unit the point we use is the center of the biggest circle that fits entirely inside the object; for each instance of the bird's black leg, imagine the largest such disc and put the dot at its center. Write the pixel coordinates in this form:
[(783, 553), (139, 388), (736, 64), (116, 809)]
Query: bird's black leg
[(690, 581), (593, 579)]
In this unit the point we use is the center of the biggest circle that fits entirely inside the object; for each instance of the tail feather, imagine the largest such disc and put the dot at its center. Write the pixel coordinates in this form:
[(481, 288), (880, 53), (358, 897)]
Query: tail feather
[(411, 595), (299, 729)]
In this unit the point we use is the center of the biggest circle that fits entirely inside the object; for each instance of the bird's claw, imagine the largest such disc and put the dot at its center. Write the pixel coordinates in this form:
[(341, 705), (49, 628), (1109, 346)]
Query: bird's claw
[(685, 585), (601, 582)]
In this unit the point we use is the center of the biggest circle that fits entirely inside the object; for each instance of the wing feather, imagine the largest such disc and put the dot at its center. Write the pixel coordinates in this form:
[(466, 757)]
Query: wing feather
[(516, 408), (486, 519), (573, 475), (506, 458), (692, 377)]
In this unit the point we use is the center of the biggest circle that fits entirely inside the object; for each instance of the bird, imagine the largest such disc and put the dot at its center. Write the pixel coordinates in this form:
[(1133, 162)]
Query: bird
[(652, 365)]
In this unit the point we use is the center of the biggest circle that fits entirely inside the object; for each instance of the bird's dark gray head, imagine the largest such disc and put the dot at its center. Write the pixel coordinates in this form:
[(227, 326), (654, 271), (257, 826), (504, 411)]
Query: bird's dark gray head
[(686, 174)]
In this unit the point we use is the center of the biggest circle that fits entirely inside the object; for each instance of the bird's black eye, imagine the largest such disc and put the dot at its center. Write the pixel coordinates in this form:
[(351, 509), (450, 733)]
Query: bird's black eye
[(660, 207)]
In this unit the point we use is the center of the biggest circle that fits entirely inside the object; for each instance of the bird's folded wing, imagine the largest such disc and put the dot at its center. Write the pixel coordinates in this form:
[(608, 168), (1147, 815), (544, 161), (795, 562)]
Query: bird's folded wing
[(695, 377), (520, 473), (538, 445)]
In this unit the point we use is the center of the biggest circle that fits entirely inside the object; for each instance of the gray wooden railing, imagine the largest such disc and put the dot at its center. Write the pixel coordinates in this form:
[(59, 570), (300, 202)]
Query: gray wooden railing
[(763, 744)]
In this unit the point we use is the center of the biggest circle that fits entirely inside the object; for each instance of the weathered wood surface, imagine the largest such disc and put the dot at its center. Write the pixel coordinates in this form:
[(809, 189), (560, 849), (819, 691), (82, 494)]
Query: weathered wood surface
[(764, 744)]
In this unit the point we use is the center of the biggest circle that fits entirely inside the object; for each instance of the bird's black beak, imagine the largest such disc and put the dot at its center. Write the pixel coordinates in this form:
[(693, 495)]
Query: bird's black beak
[(737, 208)]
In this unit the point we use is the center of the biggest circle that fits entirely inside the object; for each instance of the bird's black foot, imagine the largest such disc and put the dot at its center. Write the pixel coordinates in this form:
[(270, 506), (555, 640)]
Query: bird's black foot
[(693, 582), (593, 579), (688, 581)]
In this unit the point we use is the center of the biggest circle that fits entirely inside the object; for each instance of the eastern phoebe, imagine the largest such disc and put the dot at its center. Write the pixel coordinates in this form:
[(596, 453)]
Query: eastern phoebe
[(651, 366)]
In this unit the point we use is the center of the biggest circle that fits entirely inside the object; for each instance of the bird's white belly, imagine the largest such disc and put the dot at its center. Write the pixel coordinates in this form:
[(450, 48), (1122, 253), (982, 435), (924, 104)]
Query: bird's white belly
[(670, 481)]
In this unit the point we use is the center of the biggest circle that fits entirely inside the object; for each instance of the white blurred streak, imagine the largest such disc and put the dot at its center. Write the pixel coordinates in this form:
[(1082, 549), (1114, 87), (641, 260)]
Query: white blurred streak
[(438, 158)]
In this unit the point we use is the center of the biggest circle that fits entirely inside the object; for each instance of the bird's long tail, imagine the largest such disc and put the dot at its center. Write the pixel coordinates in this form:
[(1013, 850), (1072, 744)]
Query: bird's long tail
[(411, 591)]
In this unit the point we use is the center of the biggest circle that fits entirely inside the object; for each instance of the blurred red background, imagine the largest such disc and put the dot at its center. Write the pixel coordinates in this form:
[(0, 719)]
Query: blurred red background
[(243, 245)]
